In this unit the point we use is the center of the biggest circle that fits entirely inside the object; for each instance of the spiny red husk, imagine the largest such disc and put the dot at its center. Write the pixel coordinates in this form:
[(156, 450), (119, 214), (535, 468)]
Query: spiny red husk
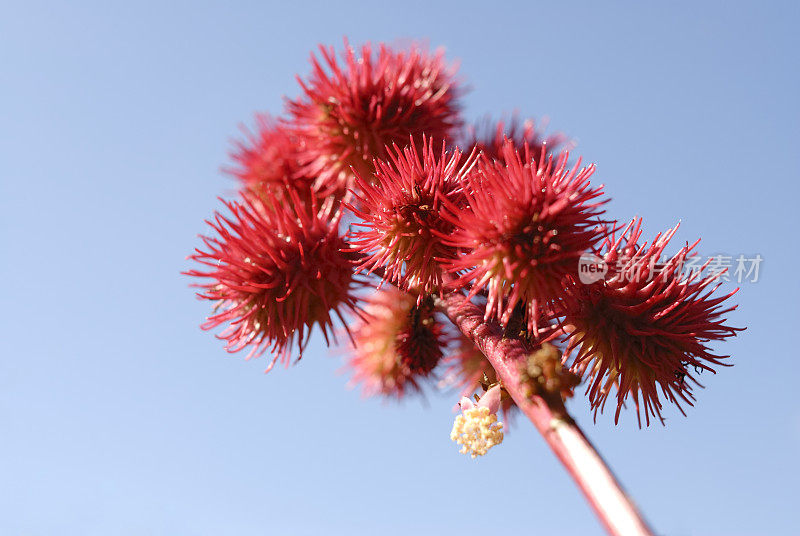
[(396, 344), (644, 328), (267, 161), (401, 209), (490, 138), (274, 274), (523, 229), (350, 113)]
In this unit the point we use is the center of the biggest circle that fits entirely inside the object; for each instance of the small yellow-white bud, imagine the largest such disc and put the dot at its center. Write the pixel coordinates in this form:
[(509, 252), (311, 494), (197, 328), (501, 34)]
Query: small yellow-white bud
[(477, 430)]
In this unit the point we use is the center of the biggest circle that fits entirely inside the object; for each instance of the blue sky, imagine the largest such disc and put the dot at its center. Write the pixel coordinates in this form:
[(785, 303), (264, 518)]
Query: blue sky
[(120, 416)]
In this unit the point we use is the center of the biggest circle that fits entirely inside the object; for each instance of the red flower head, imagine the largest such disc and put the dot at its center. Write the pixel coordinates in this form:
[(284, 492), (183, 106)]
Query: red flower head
[(401, 212), (523, 230), (266, 162), (644, 327), (274, 274), (396, 344), (490, 138), (351, 113)]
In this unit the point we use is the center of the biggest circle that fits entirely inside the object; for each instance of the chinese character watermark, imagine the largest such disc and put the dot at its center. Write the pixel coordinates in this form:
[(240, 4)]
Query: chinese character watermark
[(727, 268)]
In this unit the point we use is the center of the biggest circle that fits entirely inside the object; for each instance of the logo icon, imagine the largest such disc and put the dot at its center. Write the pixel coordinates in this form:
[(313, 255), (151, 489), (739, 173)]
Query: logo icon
[(591, 268)]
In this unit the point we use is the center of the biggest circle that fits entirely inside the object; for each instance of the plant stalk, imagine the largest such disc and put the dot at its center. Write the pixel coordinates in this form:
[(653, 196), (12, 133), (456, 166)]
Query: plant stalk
[(612, 505)]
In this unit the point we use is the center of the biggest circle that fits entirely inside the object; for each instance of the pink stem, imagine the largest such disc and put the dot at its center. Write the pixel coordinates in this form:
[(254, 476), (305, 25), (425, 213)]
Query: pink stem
[(614, 508)]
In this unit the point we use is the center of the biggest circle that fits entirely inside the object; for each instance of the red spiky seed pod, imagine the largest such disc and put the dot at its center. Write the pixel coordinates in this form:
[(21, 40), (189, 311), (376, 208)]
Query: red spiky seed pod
[(524, 227), (267, 162), (274, 274), (350, 113), (396, 344), (644, 327), (490, 138), (401, 212)]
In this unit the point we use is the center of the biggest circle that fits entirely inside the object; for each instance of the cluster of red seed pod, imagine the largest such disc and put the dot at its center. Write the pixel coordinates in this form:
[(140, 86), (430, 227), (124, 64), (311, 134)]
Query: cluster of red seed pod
[(371, 176)]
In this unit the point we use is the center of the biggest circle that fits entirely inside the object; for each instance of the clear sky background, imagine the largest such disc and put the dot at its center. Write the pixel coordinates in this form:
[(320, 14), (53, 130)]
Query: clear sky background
[(118, 415)]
